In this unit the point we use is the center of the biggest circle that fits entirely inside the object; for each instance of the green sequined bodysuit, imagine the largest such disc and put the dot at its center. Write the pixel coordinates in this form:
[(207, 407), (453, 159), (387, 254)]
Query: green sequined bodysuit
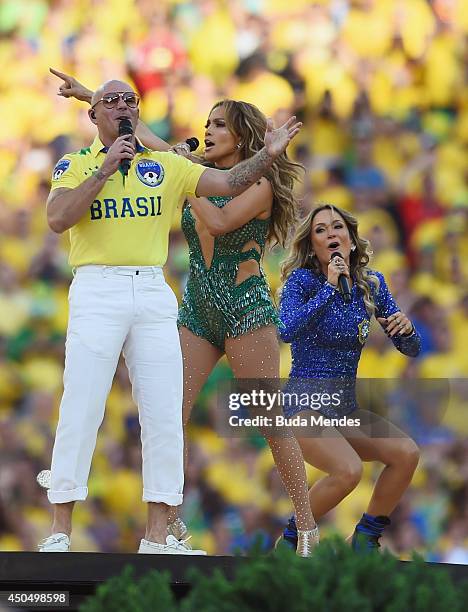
[(214, 306)]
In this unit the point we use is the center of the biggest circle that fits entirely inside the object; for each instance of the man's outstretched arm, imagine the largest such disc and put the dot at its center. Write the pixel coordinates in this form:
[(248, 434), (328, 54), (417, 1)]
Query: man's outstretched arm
[(72, 88)]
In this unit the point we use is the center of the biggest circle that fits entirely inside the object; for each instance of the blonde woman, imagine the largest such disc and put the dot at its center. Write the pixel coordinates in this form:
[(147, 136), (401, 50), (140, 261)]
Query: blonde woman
[(327, 331)]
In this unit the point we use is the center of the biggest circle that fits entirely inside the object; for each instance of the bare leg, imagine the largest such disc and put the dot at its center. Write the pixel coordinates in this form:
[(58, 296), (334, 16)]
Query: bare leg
[(156, 525), (199, 357), (399, 454), (256, 355), (62, 522), (336, 457)]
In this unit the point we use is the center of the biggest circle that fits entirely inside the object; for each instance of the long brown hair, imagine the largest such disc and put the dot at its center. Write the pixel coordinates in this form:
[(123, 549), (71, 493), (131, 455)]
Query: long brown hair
[(301, 253), (247, 122)]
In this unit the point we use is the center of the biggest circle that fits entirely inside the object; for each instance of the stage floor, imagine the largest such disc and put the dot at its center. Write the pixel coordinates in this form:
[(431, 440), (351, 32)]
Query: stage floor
[(81, 573)]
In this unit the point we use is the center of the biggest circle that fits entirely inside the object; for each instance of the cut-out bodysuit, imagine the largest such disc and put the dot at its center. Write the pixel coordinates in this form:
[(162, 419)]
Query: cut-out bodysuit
[(215, 305)]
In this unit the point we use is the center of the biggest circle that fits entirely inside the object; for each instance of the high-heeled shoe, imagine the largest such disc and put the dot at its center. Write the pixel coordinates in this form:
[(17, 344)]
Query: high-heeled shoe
[(179, 530), (307, 540)]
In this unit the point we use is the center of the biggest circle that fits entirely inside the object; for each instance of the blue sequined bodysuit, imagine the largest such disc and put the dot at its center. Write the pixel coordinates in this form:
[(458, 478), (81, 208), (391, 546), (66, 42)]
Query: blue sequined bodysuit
[(327, 335), (214, 306)]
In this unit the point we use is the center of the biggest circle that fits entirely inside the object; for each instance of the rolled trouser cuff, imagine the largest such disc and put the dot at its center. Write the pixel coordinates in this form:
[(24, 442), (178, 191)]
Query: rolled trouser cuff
[(171, 499), (62, 497)]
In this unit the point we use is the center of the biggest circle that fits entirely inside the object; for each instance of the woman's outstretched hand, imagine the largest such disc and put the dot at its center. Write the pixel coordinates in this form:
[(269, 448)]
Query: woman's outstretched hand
[(277, 140)]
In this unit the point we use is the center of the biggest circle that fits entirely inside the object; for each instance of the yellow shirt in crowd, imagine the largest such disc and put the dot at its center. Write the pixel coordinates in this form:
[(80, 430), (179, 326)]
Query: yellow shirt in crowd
[(129, 221)]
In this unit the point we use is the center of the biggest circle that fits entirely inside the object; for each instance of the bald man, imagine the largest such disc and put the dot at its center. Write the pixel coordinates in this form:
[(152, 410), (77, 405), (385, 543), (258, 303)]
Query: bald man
[(119, 224)]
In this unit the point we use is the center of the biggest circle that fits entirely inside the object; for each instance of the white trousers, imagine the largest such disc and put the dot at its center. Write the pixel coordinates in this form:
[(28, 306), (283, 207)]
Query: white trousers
[(114, 308)]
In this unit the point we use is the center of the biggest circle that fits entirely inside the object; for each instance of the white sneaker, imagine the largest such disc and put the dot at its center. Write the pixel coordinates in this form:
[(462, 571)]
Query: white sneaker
[(43, 478), (57, 542), (171, 547)]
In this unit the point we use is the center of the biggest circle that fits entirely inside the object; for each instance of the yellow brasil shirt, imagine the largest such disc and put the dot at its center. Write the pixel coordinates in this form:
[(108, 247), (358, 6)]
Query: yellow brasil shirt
[(129, 221)]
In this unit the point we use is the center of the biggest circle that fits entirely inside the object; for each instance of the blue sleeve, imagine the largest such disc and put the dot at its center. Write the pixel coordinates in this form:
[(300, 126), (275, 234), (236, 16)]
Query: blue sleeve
[(298, 308), (386, 306)]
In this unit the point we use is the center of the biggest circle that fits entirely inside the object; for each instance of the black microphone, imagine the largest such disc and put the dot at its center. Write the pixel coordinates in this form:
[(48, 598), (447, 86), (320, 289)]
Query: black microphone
[(193, 143), (343, 281), (125, 129)]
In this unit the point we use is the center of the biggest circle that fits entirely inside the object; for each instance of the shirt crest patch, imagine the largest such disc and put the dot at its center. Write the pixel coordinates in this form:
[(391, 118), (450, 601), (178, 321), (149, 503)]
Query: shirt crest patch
[(150, 173), (61, 167)]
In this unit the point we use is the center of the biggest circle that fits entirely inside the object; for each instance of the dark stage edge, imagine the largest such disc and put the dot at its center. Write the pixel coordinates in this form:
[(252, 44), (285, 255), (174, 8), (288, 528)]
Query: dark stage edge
[(81, 573)]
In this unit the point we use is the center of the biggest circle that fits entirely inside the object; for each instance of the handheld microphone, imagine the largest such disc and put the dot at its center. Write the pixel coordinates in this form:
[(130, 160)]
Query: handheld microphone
[(343, 281), (125, 129), (193, 143)]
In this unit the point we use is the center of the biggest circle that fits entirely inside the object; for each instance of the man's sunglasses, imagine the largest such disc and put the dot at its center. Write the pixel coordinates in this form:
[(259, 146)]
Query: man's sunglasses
[(111, 100)]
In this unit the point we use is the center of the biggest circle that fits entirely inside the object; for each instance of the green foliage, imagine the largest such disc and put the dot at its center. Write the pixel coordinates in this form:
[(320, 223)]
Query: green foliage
[(334, 579), (126, 594)]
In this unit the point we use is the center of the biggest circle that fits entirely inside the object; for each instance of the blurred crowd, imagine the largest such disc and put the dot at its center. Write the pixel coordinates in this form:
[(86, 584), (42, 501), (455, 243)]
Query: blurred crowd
[(382, 89)]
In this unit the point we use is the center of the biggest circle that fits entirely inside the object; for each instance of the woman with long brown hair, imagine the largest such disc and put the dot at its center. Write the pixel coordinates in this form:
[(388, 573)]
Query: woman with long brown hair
[(227, 307), (327, 331)]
